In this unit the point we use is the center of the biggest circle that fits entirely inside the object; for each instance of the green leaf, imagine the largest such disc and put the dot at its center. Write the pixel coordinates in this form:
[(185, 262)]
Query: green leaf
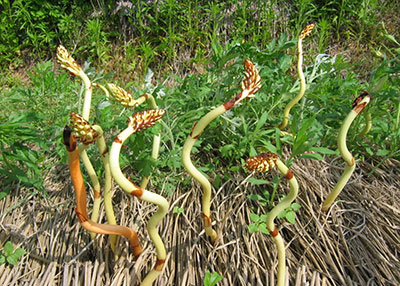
[(263, 228), (382, 152), (253, 228), (282, 214), (12, 260), (295, 206), (19, 252), (255, 181), (8, 248), (323, 150), (261, 122), (2, 259), (291, 216), (254, 217), (177, 210)]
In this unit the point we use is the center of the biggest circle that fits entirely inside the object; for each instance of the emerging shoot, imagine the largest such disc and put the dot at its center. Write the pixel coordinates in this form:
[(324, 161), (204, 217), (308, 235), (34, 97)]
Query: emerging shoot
[(304, 34), (126, 99), (80, 194), (138, 122), (250, 85), (87, 134), (358, 106), (263, 163)]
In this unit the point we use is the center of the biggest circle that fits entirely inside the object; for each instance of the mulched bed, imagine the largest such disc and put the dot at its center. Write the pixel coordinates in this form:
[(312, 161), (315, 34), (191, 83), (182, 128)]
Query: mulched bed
[(356, 243)]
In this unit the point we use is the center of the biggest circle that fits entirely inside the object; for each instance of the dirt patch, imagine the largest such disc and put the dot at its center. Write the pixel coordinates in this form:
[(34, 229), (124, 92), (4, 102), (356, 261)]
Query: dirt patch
[(355, 243)]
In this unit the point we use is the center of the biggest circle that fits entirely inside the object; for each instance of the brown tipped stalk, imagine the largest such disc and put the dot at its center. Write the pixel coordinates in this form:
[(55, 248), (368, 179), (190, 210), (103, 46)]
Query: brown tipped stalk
[(126, 99), (80, 194), (250, 85), (137, 122), (358, 106), (88, 134), (263, 163)]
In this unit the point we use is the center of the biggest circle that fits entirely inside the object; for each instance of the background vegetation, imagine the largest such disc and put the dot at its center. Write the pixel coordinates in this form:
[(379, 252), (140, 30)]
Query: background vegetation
[(189, 55)]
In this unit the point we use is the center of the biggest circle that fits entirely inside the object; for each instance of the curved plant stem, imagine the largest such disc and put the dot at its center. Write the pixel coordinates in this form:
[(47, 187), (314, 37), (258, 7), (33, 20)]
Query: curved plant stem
[(368, 123), (105, 157), (80, 193), (87, 134), (250, 85), (263, 163), (95, 185), (68, 63), (137, 122), (358, 106), (126, 99), (304, 33), (103, 88)]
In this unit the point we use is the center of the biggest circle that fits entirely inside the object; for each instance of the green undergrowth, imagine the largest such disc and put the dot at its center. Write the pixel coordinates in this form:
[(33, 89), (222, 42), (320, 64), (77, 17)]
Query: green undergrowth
[(39, 112), (177, 36)]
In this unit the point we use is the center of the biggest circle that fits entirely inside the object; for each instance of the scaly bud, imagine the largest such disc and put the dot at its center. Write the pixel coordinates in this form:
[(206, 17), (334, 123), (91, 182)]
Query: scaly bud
[(142, 120), (84, 132), (67, 62), (261, 163), (306, 31), (252, 78), (122, 96)]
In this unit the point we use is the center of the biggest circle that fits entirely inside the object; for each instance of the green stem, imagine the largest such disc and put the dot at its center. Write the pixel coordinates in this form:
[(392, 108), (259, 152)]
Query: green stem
[(358, 106), (136, 122), (263, 163), (108, 206), (250, 86)]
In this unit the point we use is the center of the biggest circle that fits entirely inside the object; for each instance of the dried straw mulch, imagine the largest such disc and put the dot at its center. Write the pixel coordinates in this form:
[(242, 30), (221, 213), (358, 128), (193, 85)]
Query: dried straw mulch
[(356, 243)]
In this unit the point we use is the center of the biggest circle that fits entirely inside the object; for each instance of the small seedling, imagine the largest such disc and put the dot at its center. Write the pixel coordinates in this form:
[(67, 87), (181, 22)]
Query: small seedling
[(177, 210), (212, 279), (10, 255), (290, 213)]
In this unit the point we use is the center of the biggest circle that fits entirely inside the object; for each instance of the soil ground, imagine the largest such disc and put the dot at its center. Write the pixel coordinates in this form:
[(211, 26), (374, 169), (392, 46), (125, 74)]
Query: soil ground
[(355, 243)]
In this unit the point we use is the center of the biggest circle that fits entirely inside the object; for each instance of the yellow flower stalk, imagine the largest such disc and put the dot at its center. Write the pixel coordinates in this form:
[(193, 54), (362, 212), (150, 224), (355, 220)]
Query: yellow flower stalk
[(126, 99), (358, 106), (88, 134), (80, 196), (263, 163), (304, 33), (68, 63), (250, 85), (138, 122)]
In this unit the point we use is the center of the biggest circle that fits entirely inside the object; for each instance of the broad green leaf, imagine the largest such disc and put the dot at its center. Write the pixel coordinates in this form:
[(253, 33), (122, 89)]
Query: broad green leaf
[(19, 252), (253, 228), (291, 216), (254, 217), (13, 260), (295, 206), (8, 248), (263, 228)]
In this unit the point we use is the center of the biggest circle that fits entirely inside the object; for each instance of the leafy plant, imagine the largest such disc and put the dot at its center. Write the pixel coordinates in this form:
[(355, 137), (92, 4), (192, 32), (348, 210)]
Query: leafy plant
[(290, 213), (11, 255), (212, 279)]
